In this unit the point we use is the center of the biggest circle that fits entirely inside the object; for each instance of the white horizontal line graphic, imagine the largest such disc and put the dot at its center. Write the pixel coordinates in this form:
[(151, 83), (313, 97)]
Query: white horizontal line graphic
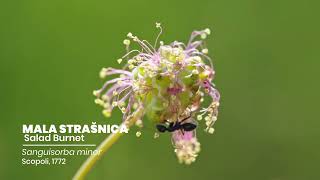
[(61, 145)]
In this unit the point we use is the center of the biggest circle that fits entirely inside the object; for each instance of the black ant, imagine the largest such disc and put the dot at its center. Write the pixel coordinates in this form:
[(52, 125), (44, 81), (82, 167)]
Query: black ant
[(173, 126)]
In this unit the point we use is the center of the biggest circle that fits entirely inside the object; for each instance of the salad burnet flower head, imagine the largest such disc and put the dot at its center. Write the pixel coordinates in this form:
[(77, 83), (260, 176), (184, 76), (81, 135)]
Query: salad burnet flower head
[(169, 82)]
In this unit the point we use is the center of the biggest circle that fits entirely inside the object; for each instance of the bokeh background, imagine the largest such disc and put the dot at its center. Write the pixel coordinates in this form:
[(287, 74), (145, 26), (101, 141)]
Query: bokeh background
[(266, 58)]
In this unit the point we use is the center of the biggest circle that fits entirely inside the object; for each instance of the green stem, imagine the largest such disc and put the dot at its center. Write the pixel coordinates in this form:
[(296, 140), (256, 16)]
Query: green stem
[(104, 146)]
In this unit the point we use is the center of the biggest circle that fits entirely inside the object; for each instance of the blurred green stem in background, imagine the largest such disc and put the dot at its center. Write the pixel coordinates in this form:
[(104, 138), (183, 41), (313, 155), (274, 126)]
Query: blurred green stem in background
[(105, 145)]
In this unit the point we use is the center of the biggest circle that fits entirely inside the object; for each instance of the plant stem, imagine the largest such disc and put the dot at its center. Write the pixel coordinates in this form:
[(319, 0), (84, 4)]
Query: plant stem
[(105, 145)]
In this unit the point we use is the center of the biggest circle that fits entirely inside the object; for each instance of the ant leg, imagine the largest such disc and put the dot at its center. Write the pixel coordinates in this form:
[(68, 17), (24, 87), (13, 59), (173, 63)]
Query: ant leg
[(186, 118), (182, 131)]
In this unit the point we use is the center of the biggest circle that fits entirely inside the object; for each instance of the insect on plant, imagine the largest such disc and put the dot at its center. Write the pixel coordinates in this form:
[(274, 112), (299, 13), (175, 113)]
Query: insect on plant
[(178, 125), (163, 83)]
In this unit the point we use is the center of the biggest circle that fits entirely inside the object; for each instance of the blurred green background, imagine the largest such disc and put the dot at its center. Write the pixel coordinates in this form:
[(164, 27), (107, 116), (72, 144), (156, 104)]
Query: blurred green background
[(267, 63)]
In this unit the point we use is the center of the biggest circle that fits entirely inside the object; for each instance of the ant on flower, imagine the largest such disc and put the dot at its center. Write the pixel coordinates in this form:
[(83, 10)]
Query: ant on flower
[(178, 125)]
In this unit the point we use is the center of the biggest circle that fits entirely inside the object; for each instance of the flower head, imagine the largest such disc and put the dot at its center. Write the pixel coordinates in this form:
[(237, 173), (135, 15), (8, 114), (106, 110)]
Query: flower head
[(186, 145), (170, 82)]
